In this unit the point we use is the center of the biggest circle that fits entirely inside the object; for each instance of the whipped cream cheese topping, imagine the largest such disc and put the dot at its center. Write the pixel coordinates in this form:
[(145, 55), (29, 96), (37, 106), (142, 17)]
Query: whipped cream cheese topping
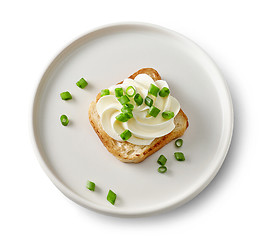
[(144, 128)]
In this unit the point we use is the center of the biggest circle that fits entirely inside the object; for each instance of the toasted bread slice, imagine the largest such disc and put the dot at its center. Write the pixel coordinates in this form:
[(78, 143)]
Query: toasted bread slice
[(128, 152)]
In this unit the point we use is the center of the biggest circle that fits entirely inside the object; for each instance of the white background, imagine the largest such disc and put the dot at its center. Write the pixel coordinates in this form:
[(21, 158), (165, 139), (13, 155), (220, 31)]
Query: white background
[(33, 32)]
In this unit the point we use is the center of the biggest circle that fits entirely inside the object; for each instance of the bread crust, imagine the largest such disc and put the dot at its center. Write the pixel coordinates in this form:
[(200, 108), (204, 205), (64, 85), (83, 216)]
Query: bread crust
[(128, 152)]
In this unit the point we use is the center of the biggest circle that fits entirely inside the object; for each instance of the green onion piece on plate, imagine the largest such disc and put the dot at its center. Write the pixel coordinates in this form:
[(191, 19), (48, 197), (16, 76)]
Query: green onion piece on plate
[(82, 83), (162, 169), (164, 92), (178, 143), (118, 92), (90, 185), (104, 92), (179, 156), (148, 101), (168, 115), (123, 99), (126, 135), (111, 197), (130, 91), (154, 111), (162, 160), (64, 120), (65, 95), (153, 90), (138, 99)]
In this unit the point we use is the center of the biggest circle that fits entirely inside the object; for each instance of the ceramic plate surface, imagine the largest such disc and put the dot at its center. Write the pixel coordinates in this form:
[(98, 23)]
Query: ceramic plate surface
[(74, 154)]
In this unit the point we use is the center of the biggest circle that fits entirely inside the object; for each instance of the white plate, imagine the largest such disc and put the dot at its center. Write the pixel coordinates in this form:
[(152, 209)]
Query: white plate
[(74, 154)]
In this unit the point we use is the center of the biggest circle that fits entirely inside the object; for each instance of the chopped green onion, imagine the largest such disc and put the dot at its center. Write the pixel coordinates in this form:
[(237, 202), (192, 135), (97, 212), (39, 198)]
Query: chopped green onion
[(118, 92), (90, 185), (168, 114), (129, 105), (105, 92), (138, 99), (148, 101), (154, 111), (123, 99), (126, 109), (178, 143), (153, 90), (130, 91), (162, 160), (129, 115), (162, 169), (179, 156), (65, 96), (111, 197), (164, 92), (124, 117), (82, 83), (126, 135), (64, 120)]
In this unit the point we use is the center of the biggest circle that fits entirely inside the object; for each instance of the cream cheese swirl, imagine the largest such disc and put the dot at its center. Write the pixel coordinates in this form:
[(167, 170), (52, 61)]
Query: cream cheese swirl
[(144, 128)]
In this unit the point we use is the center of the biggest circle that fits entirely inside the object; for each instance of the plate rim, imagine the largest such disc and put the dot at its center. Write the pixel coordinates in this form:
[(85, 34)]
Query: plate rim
[(103, 209)]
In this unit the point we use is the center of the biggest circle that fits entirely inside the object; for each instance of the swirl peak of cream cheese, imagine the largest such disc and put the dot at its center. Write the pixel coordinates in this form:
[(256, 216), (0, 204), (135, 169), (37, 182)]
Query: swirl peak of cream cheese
[(144, 128)]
